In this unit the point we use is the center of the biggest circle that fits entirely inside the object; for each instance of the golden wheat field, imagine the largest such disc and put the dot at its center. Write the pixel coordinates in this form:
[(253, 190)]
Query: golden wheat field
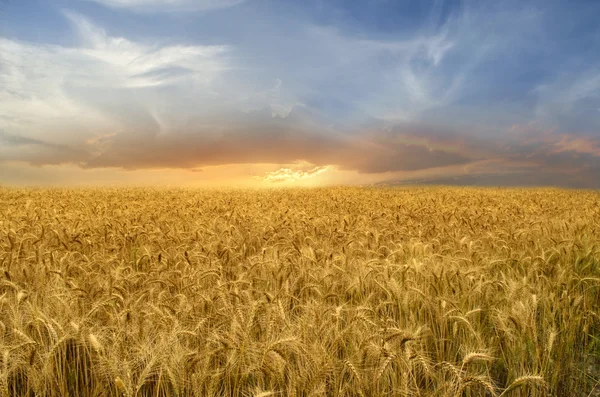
[(413, 291)]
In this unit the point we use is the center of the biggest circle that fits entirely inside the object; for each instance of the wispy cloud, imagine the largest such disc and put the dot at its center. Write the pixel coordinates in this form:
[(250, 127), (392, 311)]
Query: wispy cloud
[(572, 100), (136, 66), (169, 5), (73, 94)]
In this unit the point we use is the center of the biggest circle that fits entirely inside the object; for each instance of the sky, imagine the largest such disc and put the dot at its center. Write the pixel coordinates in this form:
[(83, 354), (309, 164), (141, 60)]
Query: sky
[(299, 93)]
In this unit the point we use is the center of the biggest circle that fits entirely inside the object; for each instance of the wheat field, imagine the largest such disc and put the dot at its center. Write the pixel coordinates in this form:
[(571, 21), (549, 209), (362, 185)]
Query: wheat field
[(419, 291)]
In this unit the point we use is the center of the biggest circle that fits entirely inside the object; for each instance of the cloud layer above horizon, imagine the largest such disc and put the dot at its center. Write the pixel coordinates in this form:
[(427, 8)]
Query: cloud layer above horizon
[(313, 92)]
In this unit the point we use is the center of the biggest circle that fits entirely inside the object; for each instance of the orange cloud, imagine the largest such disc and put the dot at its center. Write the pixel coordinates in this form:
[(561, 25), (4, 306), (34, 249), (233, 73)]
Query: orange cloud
[(583, 145), (294, 150)]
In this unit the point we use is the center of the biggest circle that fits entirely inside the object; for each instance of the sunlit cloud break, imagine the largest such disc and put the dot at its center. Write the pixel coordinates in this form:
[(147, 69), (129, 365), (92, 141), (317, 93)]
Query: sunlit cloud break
[(290, 175)]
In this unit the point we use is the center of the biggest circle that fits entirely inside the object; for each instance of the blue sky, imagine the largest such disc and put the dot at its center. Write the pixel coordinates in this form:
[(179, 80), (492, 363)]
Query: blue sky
[(300, 92)]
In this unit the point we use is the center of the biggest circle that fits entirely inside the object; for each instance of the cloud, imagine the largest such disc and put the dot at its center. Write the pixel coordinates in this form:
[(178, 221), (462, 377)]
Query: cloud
[(438, 66), (258, 136), (292, 175), (572, 100), (534, 139), (169, 5), (69, 95), (14, 140), (134, 65), (285, 90), (408, 78), (582, 145), (128, 105)]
